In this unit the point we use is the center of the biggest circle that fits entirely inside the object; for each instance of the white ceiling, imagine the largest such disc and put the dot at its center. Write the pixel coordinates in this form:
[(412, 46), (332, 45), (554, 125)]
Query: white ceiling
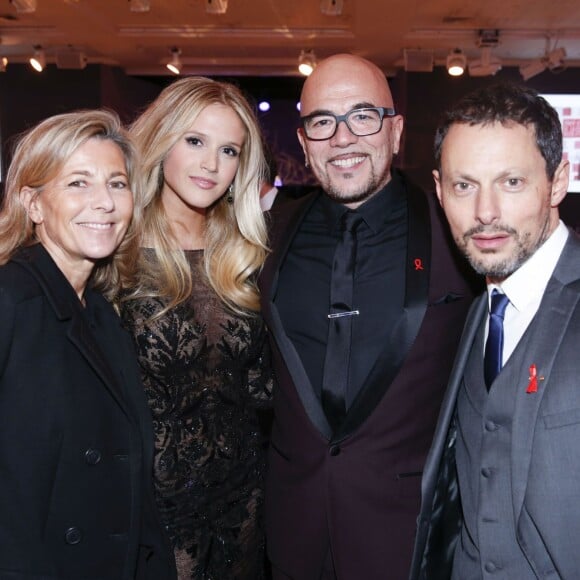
[(265, 37)]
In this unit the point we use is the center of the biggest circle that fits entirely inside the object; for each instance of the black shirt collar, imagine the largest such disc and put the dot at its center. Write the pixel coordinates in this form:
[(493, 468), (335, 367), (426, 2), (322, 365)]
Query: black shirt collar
[(375, 211)]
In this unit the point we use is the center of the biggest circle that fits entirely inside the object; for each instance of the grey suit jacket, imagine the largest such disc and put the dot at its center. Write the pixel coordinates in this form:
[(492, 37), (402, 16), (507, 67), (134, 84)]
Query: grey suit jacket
[(545, 455)]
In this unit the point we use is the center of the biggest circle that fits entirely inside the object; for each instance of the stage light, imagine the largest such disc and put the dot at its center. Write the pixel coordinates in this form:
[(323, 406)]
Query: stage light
[(24, 6), (38, 59), (216, 6), (456, 63), (139, 5), (556, 58), (174, 65), (487, 65), (70, 58), (331, 7), (264, 106), (533, 68), (307, 62)]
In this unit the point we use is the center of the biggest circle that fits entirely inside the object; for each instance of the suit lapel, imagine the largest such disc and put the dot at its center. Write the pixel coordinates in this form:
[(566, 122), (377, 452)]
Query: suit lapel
[(286, 225), (549, 327), (418, 266), (475, 317)]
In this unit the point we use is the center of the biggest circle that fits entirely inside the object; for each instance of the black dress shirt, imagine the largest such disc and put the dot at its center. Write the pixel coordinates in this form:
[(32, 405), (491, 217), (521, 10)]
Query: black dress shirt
[(303, 295)]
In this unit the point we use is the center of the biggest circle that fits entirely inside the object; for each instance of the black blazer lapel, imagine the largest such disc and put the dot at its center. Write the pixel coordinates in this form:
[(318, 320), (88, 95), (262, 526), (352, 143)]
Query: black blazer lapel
[(64, 301), (287, 218), (80, 334), (418, 267)]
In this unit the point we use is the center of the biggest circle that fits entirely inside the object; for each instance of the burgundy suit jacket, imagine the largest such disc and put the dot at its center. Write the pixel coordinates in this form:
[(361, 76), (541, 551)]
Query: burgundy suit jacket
[(358, 490)]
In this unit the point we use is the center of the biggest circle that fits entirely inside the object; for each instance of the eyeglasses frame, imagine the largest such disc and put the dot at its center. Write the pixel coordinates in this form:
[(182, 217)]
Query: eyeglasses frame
[(382, 111)]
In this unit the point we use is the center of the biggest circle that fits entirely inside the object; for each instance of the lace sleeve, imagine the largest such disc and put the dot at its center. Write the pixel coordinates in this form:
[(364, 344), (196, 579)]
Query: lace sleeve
[(260, 376)]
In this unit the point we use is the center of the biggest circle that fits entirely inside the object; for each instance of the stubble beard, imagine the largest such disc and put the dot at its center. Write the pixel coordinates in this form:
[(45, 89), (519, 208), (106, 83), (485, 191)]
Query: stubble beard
[(373, 184), (502, 269)]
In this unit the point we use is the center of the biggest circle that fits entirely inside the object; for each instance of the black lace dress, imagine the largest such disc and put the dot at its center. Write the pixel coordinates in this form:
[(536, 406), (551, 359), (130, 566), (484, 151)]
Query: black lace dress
[(206, 373)]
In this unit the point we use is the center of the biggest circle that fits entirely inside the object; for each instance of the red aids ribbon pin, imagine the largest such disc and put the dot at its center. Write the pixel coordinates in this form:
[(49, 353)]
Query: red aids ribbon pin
[(533, 384), (418, 264)]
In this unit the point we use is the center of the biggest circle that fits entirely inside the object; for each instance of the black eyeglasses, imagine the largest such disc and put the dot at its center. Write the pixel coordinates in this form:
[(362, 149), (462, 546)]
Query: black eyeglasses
[(360, 122)]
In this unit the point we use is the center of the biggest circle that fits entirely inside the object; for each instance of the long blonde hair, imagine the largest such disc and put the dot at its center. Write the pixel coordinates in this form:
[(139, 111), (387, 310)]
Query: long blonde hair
[(235, 236), (38, 157)]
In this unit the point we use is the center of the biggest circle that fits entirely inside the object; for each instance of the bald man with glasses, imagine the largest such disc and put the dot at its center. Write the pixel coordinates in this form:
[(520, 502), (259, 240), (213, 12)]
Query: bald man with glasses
[(365, 301)]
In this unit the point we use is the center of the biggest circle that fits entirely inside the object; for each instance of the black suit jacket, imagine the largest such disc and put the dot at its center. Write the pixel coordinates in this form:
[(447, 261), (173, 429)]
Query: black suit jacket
[(358, 488), (76, 442)]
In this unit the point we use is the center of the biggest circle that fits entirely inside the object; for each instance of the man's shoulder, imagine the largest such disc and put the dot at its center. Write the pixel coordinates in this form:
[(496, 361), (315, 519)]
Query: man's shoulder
[(288, 209)]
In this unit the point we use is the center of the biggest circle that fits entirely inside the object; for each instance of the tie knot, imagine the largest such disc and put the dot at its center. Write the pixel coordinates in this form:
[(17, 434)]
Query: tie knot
[(350, 221), (499, 303)]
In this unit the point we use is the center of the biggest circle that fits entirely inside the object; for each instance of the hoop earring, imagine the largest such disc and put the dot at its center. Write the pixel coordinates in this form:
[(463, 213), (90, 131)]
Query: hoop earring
[(230, 195)]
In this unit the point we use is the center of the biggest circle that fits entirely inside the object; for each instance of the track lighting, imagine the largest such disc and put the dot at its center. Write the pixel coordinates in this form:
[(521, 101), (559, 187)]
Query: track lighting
[(456, 63), (139, 5), (307, 62), (174, 65), (331, 7), (553, 60), (38, 59), (24, 6), (485, 66), (556, 58), (216, 6)]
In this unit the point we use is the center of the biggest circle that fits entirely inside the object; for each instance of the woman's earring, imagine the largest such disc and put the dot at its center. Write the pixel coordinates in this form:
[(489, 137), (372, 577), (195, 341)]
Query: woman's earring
[(230, 195)]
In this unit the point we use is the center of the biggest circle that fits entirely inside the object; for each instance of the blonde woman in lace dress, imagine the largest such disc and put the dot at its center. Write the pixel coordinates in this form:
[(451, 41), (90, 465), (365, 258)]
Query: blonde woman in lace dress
[(192, 307)]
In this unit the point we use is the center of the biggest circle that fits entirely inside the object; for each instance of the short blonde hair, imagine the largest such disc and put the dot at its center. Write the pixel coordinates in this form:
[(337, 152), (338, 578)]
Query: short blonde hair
[(235, 232), (38, 157)]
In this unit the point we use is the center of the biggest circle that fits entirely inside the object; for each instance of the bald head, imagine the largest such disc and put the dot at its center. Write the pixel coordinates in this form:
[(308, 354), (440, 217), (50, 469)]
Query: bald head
[(351, 168), (345, 75)]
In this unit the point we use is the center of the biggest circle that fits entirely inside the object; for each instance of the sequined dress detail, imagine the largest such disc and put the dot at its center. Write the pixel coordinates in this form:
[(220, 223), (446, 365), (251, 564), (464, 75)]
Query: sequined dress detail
[(206, 374)]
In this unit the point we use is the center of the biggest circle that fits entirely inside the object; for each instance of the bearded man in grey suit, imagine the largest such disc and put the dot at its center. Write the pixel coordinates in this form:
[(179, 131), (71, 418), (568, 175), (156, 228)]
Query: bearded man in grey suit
[(501, 485)]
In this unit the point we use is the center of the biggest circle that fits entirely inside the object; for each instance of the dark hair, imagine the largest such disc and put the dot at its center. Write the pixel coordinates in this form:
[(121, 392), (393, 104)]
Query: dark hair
[(508, 103), (271, 164)]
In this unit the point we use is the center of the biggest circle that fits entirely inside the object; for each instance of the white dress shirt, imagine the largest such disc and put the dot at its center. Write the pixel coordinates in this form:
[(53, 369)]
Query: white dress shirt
[(525, 288)]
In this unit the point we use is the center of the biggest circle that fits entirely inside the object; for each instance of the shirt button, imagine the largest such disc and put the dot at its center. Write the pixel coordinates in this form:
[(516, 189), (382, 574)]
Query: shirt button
[(73, 536), (486, 472), (490, 426), (92, 456), (490, 567), (335, 450)]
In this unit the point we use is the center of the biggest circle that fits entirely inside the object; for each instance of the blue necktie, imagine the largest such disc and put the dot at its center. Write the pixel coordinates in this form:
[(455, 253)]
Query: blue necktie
[(337, 360), (494, 346)]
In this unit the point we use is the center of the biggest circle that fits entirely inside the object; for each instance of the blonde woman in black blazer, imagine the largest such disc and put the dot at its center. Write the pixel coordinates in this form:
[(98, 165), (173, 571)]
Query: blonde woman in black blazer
[(75, 433)]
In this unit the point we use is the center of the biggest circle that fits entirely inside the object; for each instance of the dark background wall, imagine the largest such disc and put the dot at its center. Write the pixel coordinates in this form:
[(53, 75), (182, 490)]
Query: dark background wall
[(27, 97)]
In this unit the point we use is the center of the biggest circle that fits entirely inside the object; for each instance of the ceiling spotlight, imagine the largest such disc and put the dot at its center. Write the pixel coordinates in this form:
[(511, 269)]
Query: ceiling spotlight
[(485, 66), (456, 63), (264, 106), (70, 58), (307, 62), (556, 58), (331, 7), (139, 5), (532, 68), (38, 59), (174, 65), (553, 60), (3, 64), (216, 6), (24, 6)]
